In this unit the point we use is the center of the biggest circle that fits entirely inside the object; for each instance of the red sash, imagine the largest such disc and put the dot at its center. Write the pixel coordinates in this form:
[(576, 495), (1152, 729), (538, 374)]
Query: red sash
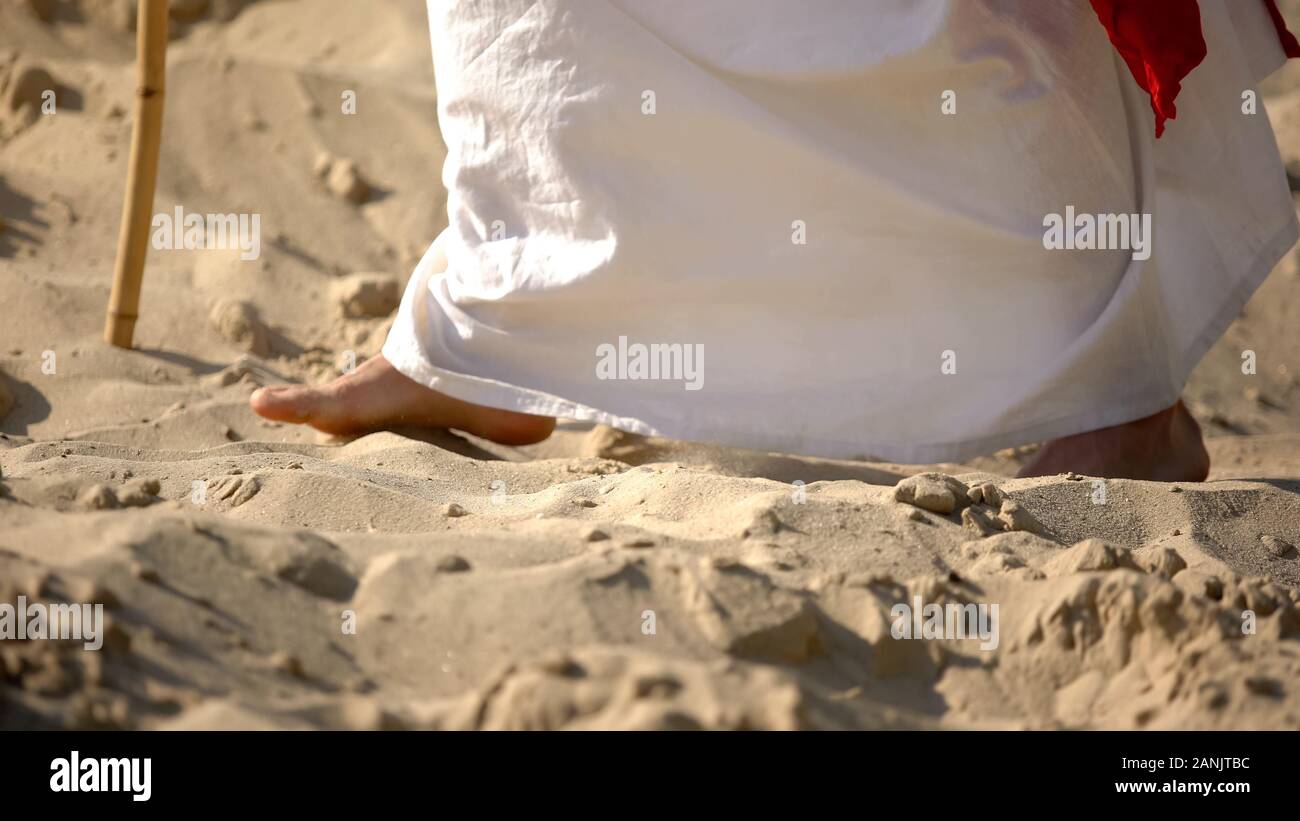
[(1161, 42)]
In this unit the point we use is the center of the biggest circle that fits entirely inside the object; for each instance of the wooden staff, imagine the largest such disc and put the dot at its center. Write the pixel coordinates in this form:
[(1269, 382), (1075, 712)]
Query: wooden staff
[(142, 176)]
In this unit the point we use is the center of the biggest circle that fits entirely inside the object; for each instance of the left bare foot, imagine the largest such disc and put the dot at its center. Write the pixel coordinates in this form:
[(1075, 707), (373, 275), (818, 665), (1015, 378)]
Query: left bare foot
[(377, 396), (1163, 447)]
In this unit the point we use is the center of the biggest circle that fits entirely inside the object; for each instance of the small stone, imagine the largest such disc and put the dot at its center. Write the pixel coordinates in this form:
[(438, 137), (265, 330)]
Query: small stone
[(346, 182), (287, 663), (1014, 516), (140, 493), (595, 535), (1091, 555), (1277, 548), (1163, 561), (97, 497), (451, 564), (935, 492), (324, 162), (974, 519), (453, 510), (1175, 489), (992, 495), (237, 322), (639, 543), (366, 295)]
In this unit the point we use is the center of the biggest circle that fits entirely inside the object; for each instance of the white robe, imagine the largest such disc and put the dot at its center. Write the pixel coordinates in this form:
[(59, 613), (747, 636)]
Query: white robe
[(777, 186)]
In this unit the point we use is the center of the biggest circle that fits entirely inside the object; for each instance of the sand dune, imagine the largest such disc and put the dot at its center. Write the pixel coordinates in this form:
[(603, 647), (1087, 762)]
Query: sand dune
[(259, 575), (495, 593)]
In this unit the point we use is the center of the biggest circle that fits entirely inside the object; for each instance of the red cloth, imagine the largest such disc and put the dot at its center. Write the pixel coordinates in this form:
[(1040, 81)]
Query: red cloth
[(1289, 44), (1161, 42)]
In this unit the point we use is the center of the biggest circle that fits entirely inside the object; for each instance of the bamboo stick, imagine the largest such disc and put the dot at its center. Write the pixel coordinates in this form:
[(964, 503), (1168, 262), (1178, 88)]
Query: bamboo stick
[(142, 176)]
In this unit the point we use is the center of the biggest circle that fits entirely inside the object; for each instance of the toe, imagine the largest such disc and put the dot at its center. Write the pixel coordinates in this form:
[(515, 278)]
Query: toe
[(285, 403)]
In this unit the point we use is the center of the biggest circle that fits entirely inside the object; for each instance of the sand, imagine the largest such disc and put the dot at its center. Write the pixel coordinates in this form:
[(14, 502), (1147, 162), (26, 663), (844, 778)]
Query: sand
[(260, 575)]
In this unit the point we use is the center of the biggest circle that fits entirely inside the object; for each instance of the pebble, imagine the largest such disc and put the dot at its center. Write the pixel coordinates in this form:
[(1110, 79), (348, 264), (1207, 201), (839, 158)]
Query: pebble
[(345, 182), (974, 519), (935, 492), (451, 564), (1014, 516), (1278, 548), (287, 663), (992, 494), (366, 295), (1164, 561), (97, 497), (453, 510), (139, 493), (238, 323)]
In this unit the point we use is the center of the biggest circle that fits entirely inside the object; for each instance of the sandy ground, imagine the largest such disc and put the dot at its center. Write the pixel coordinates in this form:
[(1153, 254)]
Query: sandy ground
[(598, 580)]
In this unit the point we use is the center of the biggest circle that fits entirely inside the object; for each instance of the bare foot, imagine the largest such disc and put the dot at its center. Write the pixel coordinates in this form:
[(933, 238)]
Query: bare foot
[(1165, 447), (377, 396)]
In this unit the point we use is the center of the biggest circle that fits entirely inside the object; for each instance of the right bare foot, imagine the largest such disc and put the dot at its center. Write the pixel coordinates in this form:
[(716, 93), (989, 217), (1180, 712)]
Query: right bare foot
[(377, 396), (1163, 447)]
